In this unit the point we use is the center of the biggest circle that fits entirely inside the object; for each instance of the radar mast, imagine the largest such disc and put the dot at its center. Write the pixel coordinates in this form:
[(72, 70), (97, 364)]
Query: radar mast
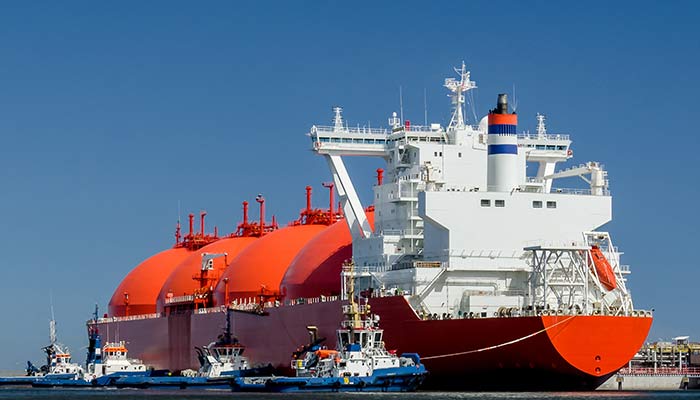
[(458, 88)]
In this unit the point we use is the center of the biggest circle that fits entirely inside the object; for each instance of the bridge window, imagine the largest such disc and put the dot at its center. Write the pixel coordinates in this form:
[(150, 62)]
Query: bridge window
[(551, 204), (459, 155), (537, 204), (500, 203), (561, 147), (485, 203)]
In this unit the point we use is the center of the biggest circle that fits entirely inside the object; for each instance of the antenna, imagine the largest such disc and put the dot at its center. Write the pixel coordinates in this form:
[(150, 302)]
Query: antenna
[(337, 118), (458, 88), (515, 100), (178, 211), (473, 106), (425, 106), (401, 102), (541, 127), (52, 324)]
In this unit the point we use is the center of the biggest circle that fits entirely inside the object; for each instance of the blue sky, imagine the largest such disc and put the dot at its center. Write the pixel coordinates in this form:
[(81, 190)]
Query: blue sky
[(112, 113)]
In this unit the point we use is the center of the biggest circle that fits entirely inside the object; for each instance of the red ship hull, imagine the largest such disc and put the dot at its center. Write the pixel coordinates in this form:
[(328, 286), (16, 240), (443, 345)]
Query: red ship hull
[(518, 353)]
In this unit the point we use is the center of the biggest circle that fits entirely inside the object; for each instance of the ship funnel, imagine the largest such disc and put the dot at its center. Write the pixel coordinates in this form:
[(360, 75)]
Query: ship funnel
[(502, 168), (502, 104)]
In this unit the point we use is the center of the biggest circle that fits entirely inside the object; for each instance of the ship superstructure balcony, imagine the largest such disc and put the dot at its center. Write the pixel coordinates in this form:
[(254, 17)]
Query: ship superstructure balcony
[(545, 147), (365, 141), (359, 141)]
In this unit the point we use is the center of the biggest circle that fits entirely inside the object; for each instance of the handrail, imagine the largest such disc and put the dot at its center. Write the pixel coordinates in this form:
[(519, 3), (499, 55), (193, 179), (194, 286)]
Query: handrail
[(554, 136), (129, 318), (584, 192), (179, 299), (255, 306), (355, 130), (660, 371)]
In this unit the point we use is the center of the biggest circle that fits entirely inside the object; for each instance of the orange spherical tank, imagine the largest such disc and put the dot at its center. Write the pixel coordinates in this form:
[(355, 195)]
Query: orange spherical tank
[(181, 281), (138, 292), (263, 263), (315, 271)]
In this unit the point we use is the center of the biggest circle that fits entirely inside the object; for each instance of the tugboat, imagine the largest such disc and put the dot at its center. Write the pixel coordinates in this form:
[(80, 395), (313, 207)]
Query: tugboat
[(219, 361), (103, 366), (58, 367), (360, 363)]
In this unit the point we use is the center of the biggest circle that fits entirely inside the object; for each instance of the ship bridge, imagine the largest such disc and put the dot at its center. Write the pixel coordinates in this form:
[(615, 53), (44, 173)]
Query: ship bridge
[(342, 140)]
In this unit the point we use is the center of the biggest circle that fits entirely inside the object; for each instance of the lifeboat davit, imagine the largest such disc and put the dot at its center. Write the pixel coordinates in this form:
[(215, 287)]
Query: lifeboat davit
[(605, 273)]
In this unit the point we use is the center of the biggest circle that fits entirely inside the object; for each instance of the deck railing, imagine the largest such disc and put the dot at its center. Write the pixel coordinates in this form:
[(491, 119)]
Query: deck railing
[(660, 371)]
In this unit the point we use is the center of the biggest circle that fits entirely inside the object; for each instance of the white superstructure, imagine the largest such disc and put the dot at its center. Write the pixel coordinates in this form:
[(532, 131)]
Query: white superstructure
[(466, 229)]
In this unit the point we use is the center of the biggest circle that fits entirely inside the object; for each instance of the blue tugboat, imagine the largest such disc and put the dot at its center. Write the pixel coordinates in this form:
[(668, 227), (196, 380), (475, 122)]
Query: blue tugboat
[(219, 362), (360, 362), (58, 367), (104, 365)]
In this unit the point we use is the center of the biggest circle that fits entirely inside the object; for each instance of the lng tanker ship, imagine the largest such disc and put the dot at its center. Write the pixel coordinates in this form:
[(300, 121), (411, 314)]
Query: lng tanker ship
[(497, 277)]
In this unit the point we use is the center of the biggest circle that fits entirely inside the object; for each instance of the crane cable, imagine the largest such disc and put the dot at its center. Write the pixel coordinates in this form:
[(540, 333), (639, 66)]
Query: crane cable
[(498, 345)]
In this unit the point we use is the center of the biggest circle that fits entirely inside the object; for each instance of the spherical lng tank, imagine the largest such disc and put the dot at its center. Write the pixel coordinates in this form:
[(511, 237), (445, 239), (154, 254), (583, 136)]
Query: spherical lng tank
[(182, 280), (260, 267), (138, 292), (315, 271)]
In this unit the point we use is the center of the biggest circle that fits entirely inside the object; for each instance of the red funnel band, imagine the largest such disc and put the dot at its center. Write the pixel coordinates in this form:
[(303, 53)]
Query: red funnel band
[(503, 119)]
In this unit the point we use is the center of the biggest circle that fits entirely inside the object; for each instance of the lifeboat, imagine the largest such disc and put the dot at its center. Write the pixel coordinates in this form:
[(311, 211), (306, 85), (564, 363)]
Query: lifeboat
[(605, 273)]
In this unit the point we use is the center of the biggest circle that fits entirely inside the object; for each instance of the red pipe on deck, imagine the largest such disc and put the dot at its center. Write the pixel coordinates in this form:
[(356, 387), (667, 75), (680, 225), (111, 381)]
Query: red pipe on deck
[(202, 214), (245, 213), (261, 201), (191, 216), (380, 176), (308, 198), (330, 187)]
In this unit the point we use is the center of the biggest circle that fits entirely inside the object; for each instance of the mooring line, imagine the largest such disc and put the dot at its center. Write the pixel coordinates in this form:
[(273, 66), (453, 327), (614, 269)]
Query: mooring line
[(498, 345)]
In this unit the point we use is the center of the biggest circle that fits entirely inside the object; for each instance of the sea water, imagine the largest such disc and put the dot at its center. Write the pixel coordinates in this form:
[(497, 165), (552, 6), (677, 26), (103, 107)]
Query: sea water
[(190, 394)]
